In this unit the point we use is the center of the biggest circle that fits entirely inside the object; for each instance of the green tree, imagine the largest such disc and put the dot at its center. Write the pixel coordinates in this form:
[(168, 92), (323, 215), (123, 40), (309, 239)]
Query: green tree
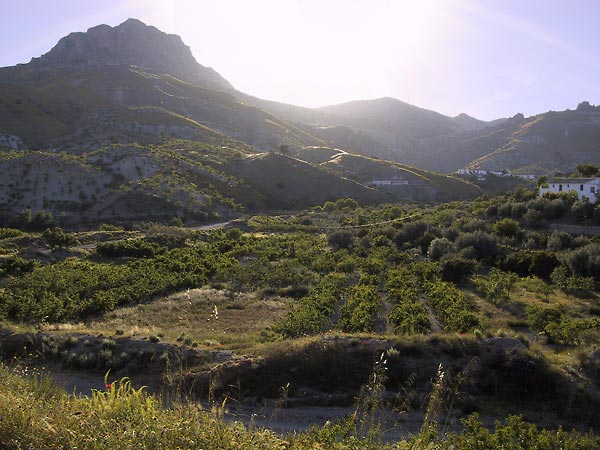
[(507, 227), (587, 170), (340, 239), (542, 181)]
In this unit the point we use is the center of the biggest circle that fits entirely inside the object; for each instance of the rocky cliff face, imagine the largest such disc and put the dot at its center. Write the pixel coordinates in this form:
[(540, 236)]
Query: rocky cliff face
[(132, 43)]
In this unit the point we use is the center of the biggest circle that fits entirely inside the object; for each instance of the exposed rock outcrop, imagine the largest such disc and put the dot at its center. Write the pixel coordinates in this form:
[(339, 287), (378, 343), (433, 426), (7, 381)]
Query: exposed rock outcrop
[(132, 43)]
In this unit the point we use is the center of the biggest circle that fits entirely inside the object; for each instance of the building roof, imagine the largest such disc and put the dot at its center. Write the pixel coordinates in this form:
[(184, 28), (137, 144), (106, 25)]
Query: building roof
[(574, 180)]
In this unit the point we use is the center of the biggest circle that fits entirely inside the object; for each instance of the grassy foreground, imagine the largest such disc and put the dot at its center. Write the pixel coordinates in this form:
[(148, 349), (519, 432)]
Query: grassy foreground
[(37, 414)]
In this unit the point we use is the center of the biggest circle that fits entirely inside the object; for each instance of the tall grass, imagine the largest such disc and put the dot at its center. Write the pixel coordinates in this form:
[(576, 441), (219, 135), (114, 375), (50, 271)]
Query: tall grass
[(34, 413)]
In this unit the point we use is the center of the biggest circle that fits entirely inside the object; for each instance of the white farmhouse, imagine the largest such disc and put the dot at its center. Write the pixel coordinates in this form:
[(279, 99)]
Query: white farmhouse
[(585, 187)]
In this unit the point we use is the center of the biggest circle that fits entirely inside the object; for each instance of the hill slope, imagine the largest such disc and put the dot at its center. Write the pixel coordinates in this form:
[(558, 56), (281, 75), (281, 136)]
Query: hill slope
[(123, 124)]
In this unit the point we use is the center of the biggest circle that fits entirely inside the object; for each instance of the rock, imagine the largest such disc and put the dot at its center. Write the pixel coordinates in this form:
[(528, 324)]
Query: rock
[(132, 43)]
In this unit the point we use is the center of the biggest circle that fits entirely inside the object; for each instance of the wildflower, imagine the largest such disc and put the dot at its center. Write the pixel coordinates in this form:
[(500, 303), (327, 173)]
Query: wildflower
[(108, 386)]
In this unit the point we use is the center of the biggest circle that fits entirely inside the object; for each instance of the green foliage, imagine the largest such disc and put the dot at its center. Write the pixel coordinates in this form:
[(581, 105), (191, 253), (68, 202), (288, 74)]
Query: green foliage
[(451, 306), (342, 204), (74, 289), (582, 209), (478, 244), (560, 277), (109, 227), (539, 317), (15, 266), (134, 248), (507, 227), (408, 315), (498, 285), (33, 222), (6, 233), (586, 170), (358, 312), (538, 263), (37, 414), (584, 261), (413, 234), (556, 324), (456, 269), (312, 314), (56, 238), (438, 248), (340, 239), (515, 433)]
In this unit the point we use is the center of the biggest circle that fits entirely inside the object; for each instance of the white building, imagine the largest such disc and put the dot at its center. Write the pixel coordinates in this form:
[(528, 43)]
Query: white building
[(585, 187)]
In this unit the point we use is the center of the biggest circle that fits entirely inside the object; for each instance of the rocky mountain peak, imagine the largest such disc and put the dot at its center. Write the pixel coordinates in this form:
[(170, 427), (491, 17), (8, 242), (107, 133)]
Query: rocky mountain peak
[(132, 43)]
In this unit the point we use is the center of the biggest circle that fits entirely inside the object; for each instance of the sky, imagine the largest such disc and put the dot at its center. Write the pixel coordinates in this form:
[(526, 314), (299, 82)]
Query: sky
[(486, 58)]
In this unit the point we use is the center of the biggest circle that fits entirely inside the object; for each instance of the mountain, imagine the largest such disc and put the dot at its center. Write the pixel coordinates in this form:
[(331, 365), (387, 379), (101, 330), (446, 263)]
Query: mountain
[(131, 43), (404, 132), (466, 122), (544, 144), (122, 124), (131, 83)]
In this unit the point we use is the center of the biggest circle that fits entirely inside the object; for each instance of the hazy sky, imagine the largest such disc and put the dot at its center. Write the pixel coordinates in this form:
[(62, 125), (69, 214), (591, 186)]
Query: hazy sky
[(488, 58)]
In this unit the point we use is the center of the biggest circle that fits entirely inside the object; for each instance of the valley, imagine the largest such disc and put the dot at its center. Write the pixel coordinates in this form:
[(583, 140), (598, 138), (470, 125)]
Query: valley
[(214, 270)]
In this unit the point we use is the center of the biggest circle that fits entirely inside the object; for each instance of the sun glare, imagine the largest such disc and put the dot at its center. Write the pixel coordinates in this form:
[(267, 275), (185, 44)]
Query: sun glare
[(326, 49)]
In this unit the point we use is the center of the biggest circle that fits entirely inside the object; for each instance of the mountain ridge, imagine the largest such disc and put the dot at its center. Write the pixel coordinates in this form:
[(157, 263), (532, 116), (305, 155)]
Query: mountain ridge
[(130, 43)]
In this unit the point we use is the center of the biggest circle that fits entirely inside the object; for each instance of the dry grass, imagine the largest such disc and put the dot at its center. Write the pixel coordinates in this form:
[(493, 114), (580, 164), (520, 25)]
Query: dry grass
[(205, 316)]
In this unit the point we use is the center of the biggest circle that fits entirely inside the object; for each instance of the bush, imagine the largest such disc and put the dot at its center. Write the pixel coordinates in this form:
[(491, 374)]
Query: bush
[(340, 239), (57, 238), (498, 285), (456, 269), (508, 228), (6, 233), (410, 232), (312, 314), (582, 209), (515, 433), (559, 240), (451, 306), (134, 248), (484, 245), (16, 266), (358, 313), (438, 248), (110, 227), (584, 261), (538, 263)]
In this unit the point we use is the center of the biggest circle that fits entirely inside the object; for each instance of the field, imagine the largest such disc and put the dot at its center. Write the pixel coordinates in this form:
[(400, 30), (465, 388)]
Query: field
[(442, 310)]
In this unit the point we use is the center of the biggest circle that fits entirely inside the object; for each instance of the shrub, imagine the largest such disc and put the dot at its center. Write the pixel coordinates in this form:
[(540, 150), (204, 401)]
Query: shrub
[(340, 239), (438, 248), (410, 232), (451, 306), (109, 227), (484, 245), (57, 238), (583, 209), (456, 269), (507, 227), (6, 233), (559, 240), (584, 261), (134, 248), (15, 266), (498, 285), (312, 314), (525, 263), (358, 313)]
